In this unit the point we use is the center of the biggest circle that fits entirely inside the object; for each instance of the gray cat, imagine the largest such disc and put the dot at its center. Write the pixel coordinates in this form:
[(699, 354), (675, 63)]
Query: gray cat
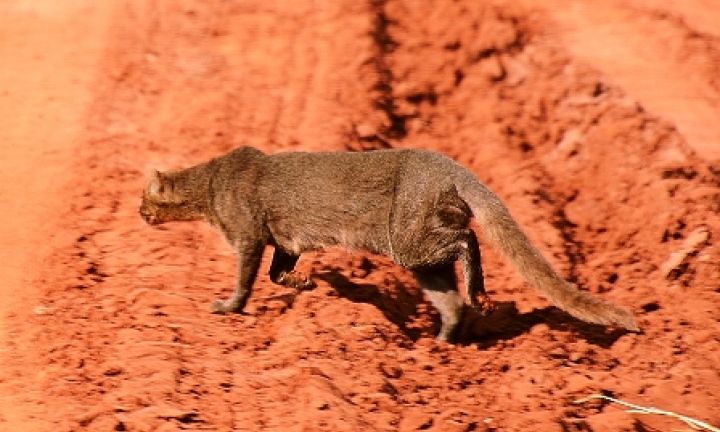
[(411, 205)]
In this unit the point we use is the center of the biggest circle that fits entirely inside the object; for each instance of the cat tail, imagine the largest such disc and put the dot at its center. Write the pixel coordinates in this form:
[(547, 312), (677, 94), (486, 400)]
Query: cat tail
[(504, 234)]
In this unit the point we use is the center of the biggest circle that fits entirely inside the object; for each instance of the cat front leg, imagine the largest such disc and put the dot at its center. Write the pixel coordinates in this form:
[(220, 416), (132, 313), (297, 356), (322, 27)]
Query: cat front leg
[(249, 254)]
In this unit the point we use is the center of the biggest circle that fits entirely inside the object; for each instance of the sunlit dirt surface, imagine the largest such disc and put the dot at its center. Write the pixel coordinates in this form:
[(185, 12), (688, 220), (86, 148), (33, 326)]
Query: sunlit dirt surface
[(597, 124)]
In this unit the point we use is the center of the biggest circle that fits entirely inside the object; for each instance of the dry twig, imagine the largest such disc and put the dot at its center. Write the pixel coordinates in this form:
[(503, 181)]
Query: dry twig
[(637, 409)]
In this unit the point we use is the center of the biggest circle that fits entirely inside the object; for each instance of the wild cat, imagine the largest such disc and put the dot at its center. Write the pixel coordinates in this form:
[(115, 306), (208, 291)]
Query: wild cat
[(414, 206)]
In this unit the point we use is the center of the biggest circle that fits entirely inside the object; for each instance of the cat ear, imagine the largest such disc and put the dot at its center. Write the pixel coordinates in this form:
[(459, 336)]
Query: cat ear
[(155, 185)]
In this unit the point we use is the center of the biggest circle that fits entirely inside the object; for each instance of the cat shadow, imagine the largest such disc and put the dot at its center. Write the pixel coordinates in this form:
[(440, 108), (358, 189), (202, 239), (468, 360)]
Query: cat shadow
[(396, 307), (504, 323)]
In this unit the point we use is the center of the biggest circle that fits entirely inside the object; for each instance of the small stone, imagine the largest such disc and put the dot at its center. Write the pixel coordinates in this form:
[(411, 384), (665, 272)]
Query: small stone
[(113, 371), (557, 353), (575, 357), (695, 241), (42, 310), (541, 329)]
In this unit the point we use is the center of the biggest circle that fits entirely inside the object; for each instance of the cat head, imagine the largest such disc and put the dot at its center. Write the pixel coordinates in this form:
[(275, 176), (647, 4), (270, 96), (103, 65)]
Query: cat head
[(167, 199)]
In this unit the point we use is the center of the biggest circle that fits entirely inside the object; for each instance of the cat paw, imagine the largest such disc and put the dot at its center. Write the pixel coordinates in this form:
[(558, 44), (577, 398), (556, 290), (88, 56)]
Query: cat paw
[(296, 280), (223, 307)]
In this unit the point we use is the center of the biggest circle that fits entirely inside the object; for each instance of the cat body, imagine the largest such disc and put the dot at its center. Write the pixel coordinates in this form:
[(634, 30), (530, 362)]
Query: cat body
[(414, 206)]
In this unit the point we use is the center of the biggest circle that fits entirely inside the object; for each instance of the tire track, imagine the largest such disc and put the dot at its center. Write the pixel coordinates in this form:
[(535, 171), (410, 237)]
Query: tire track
[(179, 84), (552, 127), (655, 56), (49, 57)]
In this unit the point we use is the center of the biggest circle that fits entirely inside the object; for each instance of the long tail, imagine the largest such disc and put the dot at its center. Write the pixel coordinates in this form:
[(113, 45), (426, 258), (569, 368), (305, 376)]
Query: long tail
[(504, 234)]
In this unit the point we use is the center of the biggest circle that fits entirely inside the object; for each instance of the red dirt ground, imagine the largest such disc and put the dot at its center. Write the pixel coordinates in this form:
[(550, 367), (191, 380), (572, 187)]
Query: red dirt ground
[(597, 123)]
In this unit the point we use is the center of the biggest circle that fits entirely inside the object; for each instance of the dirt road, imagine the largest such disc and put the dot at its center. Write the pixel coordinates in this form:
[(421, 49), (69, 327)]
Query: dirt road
[(49, 59), (107, 325)]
